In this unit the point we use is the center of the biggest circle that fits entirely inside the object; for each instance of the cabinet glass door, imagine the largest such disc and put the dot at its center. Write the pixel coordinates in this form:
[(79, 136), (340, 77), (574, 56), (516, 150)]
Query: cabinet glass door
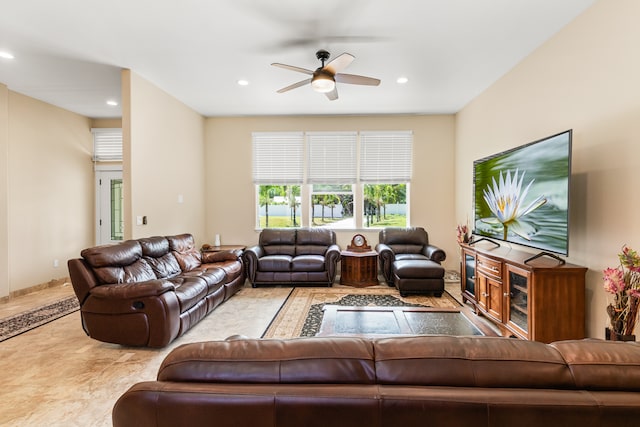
[(518, 300), (470, 273)]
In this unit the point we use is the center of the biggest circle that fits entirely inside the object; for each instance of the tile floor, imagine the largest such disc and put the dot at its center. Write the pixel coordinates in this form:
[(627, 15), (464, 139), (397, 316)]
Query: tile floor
[(55, 375)]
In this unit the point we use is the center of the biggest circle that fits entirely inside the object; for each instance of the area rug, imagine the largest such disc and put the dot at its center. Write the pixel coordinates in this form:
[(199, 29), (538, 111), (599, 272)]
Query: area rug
[(301, 314), (31, 319)]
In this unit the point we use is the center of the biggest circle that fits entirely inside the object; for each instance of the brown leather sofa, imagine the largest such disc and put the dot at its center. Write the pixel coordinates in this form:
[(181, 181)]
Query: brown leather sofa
[(402, 381), (409, 262), (148, 292), (306, 256)]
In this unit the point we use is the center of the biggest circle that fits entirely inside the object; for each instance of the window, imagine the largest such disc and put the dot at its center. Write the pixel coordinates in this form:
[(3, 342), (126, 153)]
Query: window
[(279, 206), (332, 179), (385, 205), (107, 145), (278, 172), (385, 171), (331, 160), (332, 205)]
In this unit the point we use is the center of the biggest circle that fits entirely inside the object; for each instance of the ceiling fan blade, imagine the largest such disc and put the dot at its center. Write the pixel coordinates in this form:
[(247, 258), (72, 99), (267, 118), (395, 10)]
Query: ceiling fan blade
[(295, 85), (333, 95), (292, 68), (339, 63), (356, 80), (314, 41)]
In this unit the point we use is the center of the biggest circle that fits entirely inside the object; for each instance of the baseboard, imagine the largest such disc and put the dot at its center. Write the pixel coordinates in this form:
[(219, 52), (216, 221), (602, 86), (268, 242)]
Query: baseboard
[(50, 284)]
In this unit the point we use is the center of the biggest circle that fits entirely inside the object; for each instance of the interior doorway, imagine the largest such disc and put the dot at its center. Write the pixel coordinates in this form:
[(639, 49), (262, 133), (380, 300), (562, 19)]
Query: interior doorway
[(109, 211)]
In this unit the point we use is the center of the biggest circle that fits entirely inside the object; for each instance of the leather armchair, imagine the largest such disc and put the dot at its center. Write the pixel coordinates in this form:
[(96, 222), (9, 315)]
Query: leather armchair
[(409, 262)]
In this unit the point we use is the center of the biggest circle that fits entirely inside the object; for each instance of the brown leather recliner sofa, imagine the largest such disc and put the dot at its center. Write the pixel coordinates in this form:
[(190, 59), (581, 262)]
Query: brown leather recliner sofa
[(402, 381), (299, 256), (148, 292)]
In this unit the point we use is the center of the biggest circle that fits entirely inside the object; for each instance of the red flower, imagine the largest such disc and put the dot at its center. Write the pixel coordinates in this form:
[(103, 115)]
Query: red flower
[(613, 280)]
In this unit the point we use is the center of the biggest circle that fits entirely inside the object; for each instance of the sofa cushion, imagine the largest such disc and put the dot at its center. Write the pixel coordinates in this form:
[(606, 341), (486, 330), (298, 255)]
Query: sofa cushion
[(314, 241), (232, 269), (220, 256), (418, 269), (308, 263), (602, 365), (470, 362), (117, 255), (137, 271), (189, 291), (276, 241), (409, 256), (275, 263), (184, 249), (303, 360), (165, 266), (406, 249), (154, 247), (416, 236), (411, 240), (214, 277)]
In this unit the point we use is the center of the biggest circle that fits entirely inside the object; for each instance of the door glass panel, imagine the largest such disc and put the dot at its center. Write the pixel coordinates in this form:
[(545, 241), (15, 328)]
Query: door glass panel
[(470, 273), (109, 206), (518, 300), (117, 220)]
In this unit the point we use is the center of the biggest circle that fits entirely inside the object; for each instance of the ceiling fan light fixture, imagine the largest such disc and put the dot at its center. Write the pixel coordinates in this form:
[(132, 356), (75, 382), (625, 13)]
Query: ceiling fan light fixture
[(323, 83)]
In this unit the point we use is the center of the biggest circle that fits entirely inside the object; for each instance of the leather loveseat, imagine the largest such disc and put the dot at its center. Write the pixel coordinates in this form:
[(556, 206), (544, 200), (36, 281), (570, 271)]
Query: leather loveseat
[(148, 292), (300, 256), (402, 381)]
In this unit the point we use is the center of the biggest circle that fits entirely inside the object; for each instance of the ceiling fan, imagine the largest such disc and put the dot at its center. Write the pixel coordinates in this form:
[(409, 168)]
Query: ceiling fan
[(324, 78)]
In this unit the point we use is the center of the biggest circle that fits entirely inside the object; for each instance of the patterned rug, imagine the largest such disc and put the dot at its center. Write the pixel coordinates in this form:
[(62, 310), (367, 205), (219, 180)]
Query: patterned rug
[(301, 313), (28, 320)]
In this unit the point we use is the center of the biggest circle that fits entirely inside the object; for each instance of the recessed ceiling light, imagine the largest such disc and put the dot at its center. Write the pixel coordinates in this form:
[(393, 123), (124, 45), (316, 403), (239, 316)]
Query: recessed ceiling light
[(243, 82), (6, 55), (112, 103), (402, 80)]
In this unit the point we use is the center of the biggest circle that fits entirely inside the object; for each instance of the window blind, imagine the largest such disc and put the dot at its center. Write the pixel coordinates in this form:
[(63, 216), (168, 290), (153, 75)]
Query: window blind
[(107, 144), (278, 158), (332, 157), (386, 157)]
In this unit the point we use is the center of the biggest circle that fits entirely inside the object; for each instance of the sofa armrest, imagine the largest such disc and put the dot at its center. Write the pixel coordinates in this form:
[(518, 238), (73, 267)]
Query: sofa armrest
[(210, 257), (124, 291), (434, 253), (331, 258), (251, 256), (387, 256)]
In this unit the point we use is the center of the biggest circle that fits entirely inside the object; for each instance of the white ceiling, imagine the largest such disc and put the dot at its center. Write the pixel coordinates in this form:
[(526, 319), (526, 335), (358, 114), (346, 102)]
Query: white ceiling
[(69, 52)]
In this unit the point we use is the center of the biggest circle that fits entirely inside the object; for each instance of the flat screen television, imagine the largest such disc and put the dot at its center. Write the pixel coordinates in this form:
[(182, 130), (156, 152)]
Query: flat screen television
[(521, 195)]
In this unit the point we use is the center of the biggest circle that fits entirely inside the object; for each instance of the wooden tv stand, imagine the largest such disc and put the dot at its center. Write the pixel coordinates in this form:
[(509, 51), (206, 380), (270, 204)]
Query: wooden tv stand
[(540, 300)]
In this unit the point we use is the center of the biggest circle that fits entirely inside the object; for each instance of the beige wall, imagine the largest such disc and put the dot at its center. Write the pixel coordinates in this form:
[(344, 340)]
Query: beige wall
[(585, 78), (49, 195), (4, 202), (230, 194), (106, 123), (163, 160)]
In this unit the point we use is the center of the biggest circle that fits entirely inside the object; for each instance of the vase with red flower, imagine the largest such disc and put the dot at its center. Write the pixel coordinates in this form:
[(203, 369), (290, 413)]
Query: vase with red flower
[(623, 282)]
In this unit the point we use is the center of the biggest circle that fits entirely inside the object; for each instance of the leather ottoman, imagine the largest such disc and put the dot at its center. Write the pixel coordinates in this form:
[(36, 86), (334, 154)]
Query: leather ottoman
[(418, 276)]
